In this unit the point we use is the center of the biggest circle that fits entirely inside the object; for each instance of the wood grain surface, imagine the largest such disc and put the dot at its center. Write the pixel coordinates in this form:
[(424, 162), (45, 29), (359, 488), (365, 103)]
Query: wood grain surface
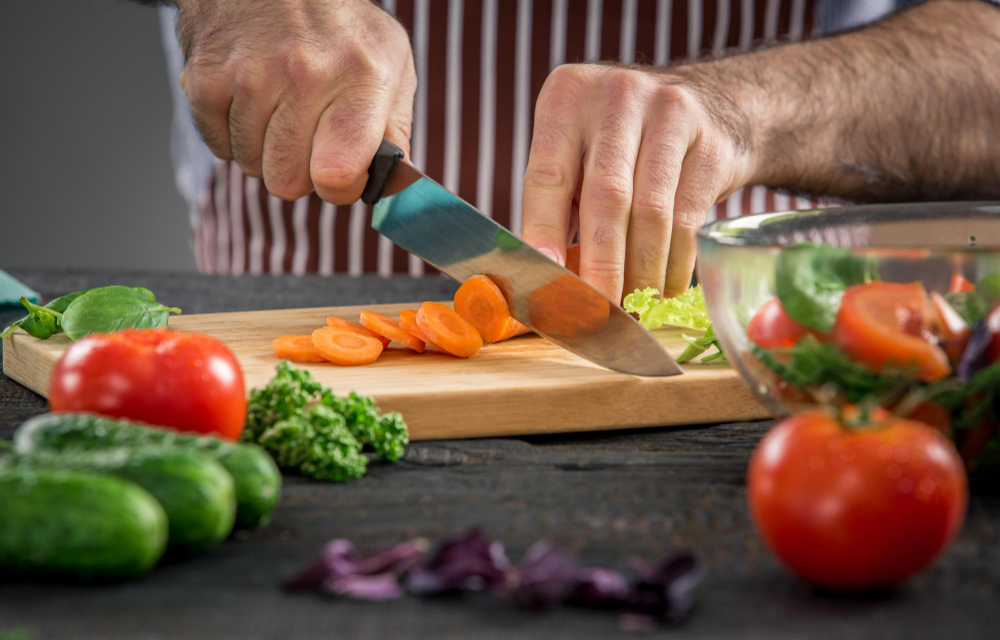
[(525, 385)]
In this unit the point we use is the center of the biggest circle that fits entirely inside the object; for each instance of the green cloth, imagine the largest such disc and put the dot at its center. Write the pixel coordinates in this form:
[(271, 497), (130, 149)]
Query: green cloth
[(11, 291)]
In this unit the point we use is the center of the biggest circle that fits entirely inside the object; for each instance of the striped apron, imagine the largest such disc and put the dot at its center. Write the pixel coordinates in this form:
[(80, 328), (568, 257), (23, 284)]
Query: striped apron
[(480, 65)]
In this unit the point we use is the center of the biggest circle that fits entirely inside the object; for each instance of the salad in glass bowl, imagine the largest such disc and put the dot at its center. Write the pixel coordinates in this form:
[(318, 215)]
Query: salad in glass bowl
[(890, 306)]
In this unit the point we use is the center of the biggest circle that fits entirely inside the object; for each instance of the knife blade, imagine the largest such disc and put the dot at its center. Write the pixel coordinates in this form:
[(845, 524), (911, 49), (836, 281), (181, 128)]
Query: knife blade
[(421, 216)]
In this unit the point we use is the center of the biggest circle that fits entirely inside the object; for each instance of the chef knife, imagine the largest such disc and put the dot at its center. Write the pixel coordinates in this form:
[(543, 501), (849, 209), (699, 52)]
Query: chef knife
[(429, 221)]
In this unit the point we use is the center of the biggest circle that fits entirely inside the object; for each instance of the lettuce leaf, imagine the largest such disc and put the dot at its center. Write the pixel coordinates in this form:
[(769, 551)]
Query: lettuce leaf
[(687, 310)]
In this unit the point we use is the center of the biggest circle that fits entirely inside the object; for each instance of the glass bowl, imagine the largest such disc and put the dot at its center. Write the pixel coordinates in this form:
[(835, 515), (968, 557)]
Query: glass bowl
[(808, 259)]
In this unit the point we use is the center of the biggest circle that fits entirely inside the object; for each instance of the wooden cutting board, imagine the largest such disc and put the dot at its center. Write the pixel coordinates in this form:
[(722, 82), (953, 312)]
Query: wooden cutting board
[(526, 385)]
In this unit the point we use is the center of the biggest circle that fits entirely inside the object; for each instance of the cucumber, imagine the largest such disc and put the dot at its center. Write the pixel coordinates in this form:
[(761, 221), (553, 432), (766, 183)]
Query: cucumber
[(195, 491), (73, 525), (257, 479)]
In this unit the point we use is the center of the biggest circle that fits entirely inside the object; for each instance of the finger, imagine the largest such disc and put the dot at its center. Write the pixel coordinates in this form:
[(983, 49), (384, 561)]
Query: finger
[(554, 164), (606, 198), (254, 103), (698, 190), (658, 170), (288, 145), (209, 94), (350, 131)]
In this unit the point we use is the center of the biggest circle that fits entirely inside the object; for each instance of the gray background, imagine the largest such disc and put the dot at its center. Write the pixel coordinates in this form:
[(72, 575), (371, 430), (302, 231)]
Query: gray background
[(85, 151)]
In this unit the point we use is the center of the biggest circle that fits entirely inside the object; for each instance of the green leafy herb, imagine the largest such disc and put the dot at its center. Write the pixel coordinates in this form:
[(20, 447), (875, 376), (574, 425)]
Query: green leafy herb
[(309, 429), (108, 309), (974, 305), (698, 346), (103, 309), (811, 279), (814, 364), (687, 310)]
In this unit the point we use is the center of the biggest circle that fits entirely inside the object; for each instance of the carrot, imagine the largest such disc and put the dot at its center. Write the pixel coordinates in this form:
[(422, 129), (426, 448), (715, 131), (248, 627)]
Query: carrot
[(389, 328), (448, 330), (297, 349), (408, 323), (334, 321), (573, 258), (567, 307), (346, 347), (481, 303)]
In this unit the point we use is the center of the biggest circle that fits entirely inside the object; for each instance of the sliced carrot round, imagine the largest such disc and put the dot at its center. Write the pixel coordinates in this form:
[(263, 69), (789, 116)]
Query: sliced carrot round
[(408, 323), (334, 321), (297, 348), (346, 347), (449, 330), (389, 328), (481, 303)]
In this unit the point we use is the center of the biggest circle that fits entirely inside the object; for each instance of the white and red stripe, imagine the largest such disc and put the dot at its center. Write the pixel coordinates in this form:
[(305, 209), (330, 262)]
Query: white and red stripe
[(480, 65)]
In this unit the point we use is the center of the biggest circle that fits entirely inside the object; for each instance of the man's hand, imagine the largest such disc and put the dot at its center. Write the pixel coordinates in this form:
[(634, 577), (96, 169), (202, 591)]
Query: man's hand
[(906, 109), (299, 92), (636, 158)]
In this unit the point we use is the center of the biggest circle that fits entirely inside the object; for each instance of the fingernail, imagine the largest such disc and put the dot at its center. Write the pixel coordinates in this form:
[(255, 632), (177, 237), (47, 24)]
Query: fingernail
[(550, 254)]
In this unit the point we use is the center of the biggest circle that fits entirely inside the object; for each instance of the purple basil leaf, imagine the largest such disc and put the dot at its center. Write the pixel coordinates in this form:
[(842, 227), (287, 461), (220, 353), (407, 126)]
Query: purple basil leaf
[(545, 577), (468, 561), (340, 559), (395, 560), (974, 357), (596, 585), (385, 586), (665, 591)]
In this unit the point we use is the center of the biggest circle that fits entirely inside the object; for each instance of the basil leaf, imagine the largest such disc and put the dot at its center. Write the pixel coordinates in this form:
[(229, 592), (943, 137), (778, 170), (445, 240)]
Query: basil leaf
[(108, 309), (971, 305), (39, 322), (811, 280), (989, 288)]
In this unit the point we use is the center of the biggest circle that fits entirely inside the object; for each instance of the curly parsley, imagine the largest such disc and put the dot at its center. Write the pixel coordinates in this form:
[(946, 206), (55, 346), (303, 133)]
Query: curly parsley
[(307, 428)]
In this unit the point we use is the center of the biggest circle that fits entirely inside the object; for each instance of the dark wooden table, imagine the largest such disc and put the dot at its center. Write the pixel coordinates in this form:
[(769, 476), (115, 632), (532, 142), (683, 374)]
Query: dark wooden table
[(605, 496)]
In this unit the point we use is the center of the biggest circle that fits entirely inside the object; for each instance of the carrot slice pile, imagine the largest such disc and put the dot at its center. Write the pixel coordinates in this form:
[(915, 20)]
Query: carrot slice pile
[(297, 349), (389, 328), (334, 321), (346, 347), (481, 303), (449, 330)]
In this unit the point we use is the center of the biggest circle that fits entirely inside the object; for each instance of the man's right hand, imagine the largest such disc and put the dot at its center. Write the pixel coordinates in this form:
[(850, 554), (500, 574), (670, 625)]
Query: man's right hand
[(299, 92)]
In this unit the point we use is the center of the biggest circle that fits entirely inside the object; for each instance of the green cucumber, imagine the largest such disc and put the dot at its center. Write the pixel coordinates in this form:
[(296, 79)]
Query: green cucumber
[(64, 524), (196, 492), (257, 479)]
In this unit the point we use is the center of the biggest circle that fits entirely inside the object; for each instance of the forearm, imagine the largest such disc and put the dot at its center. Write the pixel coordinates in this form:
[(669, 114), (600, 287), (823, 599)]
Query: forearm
[(905, 109)]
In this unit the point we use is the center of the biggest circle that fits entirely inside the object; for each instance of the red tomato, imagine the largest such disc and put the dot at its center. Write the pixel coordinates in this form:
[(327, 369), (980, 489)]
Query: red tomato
[(184, 380), (884, 324), (960, 285), (772, 328), (856, 508)]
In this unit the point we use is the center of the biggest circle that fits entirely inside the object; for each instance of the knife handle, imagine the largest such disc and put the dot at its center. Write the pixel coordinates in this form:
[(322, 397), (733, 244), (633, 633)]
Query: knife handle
[(381, 168)]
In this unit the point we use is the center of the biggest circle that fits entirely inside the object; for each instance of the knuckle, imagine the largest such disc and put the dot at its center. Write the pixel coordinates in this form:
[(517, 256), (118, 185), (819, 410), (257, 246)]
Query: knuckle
[(625, 85), (547, 176), (543, 227), (652, 205), (611, 193), (248, 79), (302, 68), (688, 221), (604, 268), (675, 98)]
